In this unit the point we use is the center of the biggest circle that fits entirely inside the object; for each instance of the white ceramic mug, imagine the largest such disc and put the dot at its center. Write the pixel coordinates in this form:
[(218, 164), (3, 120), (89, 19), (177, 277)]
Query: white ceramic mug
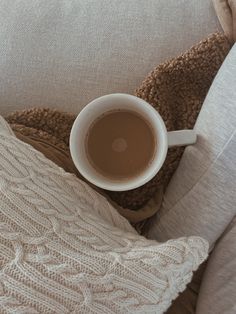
[(101, 105)]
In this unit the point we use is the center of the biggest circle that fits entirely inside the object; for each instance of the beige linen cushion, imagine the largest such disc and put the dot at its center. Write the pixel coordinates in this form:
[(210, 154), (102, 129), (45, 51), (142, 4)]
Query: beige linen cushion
[(201, 197), (65, 53), (61, 253)]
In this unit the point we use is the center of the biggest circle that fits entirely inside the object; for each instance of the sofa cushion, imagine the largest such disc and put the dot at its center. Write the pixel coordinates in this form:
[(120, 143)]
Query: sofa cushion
[(61, 253), (201, 196), (65, 53)]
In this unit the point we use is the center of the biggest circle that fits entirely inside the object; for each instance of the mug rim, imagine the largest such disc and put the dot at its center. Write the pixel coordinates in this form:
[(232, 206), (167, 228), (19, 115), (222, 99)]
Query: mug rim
[(134, 182)]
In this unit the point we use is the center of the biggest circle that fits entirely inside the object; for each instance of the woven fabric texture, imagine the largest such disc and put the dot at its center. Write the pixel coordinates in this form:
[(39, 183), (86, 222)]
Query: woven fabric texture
[(58, 254)]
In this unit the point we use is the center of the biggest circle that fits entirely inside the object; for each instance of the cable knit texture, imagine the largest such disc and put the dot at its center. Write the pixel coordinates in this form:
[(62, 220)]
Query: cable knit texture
[(61, 253)]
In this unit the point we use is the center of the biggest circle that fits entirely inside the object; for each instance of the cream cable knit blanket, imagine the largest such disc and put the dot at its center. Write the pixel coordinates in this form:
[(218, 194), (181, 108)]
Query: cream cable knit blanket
[(61, 250)]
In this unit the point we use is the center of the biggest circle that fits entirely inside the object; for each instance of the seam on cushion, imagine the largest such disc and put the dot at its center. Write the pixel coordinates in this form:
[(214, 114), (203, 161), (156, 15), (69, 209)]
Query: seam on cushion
[(203, 174)]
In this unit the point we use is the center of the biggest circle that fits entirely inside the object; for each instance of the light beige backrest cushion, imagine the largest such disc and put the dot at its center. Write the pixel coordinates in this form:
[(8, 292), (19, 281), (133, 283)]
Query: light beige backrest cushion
[(201, 197), (65, 53)]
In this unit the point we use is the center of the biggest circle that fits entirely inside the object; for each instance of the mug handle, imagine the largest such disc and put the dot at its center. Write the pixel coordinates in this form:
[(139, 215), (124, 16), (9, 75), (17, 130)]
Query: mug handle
[(181, 138)]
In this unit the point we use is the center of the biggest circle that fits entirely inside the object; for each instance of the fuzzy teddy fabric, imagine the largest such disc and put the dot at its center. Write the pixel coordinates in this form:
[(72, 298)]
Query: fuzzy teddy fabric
[(176, 89)]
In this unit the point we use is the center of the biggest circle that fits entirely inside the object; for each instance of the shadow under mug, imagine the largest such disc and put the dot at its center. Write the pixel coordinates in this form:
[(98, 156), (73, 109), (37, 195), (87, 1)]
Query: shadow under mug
[(106, 103)]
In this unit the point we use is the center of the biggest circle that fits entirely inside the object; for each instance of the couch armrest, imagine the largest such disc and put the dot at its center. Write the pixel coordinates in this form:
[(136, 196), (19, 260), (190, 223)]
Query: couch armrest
[(218, 289), (201, 196)]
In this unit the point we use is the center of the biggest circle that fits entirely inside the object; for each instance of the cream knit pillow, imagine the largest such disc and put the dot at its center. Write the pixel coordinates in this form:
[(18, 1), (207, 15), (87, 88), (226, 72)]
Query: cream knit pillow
[(60, 252)]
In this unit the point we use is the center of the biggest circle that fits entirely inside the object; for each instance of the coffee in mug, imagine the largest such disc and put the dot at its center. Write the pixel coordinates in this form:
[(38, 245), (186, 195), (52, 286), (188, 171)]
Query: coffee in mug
[(120, 144)]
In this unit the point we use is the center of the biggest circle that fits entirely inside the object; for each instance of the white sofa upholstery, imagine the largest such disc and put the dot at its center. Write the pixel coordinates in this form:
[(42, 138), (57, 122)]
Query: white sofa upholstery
[(201, 197), (64, 53)]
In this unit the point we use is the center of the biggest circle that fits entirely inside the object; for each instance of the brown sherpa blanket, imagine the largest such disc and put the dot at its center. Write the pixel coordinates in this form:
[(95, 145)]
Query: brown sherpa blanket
[(176, 88)]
